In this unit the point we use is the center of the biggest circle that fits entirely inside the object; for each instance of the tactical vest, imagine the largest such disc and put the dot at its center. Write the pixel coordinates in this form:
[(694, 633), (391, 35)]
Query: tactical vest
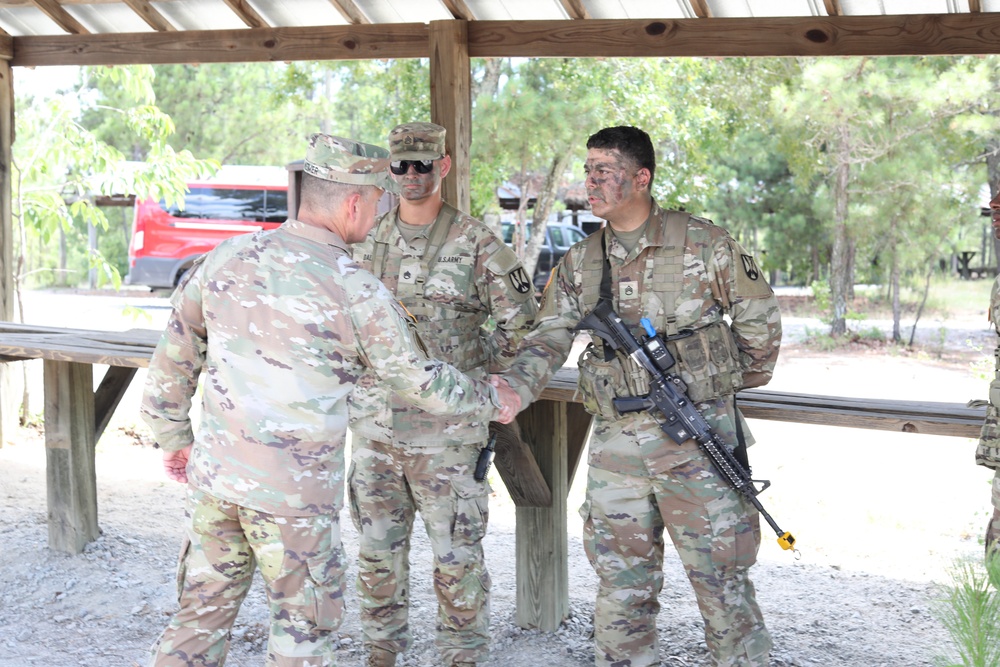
[(459, 333), (707, 357)]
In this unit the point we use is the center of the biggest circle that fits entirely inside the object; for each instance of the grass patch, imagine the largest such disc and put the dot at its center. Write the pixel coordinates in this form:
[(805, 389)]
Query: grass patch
[(948, 297), (970, 612), (867, 338)]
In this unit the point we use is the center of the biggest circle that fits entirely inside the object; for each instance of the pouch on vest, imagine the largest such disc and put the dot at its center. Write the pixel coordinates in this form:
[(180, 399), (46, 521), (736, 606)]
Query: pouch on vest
[(458, 340), (600, 382), (708, 362), (995, 392), (988, 449)]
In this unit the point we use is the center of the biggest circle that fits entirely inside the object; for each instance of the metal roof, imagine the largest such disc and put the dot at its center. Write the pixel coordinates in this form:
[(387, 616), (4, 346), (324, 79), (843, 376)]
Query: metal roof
[(21, 18)]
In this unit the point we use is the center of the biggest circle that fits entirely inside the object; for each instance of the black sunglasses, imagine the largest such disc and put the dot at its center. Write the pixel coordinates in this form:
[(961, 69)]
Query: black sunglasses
[(400, 167)]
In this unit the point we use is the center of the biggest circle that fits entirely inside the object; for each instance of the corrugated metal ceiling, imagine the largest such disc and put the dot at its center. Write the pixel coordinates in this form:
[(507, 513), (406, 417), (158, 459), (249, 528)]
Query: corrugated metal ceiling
[(26, 18)]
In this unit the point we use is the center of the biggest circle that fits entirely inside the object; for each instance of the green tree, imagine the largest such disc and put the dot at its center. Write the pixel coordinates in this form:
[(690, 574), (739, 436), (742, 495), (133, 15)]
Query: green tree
[(361, 99), (843, 116), (762, 205), (232, 113), (981, 129), (908, 218), (558, 97), (59, 167)]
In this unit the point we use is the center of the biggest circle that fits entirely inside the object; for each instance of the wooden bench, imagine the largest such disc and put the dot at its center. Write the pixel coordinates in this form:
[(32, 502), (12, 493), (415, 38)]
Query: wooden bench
[(75, 414), (554, 430)]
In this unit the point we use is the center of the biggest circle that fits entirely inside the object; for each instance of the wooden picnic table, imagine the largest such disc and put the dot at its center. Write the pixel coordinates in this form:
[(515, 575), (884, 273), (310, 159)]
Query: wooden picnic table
[(553, 434)]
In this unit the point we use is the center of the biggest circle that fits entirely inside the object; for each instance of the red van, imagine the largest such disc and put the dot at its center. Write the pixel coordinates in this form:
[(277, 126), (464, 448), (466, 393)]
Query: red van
[(167, 240)]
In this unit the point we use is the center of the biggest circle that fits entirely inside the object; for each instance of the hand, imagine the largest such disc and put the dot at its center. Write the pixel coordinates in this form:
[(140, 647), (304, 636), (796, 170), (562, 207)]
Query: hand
[(175, 464), (509, 400), (993, 534)]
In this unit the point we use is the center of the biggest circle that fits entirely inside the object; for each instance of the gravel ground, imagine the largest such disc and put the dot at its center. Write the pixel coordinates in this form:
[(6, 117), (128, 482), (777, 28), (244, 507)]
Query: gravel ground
[(106, 606), (880, 518)]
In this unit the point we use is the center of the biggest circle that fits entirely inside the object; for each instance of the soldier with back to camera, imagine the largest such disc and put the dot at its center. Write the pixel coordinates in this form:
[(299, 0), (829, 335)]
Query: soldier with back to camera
[(280, 324)]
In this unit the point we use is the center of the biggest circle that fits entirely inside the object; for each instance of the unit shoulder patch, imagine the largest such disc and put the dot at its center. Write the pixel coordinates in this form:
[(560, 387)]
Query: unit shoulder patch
[(750, 280)]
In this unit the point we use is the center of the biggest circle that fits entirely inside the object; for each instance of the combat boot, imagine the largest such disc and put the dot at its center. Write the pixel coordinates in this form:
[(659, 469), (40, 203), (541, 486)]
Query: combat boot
[(379, 657)]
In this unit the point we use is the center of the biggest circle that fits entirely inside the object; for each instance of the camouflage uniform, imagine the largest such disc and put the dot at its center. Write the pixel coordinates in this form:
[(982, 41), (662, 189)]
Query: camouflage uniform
[(280, 324), (684, 274), (455, 277), (988, 450)]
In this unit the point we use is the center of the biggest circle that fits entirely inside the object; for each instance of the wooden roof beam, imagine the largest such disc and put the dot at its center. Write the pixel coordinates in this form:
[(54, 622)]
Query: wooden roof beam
[(975, 6), (148, 13), (459, 9), (351, 12), (355, 42), (937, 34), (246, 13), (896, 35), (833, 7), (61, 17), (575, 9)]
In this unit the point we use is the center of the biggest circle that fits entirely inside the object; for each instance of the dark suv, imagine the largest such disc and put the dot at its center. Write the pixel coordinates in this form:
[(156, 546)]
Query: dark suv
[(559, 236)]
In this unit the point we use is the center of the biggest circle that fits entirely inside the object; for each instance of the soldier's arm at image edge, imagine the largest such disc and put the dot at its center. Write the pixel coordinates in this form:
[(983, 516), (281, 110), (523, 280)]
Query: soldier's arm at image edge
[(172, 377), (756, 318), (386, 344), (547, 346), (512, 304)]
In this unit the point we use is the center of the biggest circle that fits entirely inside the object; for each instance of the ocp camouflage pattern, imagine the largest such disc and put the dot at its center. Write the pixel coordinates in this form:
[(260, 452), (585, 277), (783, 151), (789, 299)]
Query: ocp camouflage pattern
[(641, 486), (307, 604), (478, 302), (281, 324), (715, 284), (386, 485), (347, 161)]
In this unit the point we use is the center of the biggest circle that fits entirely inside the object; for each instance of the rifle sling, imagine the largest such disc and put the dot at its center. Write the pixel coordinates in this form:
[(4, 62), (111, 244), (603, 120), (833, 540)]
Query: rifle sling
[(605, 294), (740, 452)]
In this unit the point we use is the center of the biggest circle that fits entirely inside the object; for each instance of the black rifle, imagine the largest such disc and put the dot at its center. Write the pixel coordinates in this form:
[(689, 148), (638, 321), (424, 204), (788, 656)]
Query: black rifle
[(681, 420)]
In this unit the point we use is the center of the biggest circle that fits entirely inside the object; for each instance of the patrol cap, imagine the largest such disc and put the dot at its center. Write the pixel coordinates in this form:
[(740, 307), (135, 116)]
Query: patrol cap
[(348, 161), (416, 141)]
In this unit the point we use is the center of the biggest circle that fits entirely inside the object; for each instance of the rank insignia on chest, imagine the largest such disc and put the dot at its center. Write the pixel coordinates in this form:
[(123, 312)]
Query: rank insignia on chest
[(628, 290), (408, 272)]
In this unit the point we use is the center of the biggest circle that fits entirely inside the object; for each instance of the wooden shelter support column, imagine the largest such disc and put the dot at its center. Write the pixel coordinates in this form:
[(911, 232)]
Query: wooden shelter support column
[(70, 444), (555, 431), (451, 104), (9, 392)]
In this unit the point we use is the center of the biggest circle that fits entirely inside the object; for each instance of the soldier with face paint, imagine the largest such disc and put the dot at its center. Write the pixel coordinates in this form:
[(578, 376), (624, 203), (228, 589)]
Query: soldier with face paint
[(706, 296), (472, 302), (988, 450)]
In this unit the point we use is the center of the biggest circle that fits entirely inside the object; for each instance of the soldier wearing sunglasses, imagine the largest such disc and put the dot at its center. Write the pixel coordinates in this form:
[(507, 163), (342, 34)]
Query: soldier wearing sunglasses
[(472, 302)]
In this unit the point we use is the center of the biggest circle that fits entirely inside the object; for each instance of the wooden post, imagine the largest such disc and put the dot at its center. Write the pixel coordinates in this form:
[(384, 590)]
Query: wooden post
[(9, 392), (451, 104), (69, 453), (542, 568)]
